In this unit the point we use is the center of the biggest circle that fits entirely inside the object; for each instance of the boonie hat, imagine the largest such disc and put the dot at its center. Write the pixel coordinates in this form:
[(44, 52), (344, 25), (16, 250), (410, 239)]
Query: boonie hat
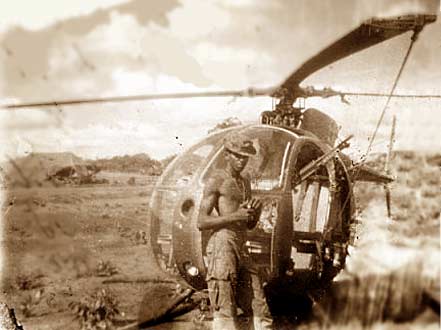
[(239, 144)]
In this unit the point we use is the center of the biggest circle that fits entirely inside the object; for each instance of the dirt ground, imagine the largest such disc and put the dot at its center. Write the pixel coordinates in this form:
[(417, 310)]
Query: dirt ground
[(54, 240), (60, 245)]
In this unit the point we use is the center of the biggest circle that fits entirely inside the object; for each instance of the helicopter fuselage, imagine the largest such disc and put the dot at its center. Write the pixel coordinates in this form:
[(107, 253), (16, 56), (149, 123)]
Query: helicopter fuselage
[(304, 228)]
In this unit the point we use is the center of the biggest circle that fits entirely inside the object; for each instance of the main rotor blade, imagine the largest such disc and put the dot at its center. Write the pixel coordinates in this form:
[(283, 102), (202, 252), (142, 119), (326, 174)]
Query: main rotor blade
[(311, 91), (251, 92), (303, 92), (414, 96), (371, 32)]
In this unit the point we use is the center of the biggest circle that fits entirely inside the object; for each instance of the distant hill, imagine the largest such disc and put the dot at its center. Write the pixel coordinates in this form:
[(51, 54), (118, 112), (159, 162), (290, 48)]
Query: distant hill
[(139, 163), (32, 169)]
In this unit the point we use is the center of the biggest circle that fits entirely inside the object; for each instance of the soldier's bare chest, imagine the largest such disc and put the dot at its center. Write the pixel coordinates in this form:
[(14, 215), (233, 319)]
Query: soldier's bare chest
[(233, 189)]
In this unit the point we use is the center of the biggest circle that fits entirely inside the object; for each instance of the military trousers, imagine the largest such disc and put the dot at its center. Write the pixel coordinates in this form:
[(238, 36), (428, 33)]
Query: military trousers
[(246, 292)]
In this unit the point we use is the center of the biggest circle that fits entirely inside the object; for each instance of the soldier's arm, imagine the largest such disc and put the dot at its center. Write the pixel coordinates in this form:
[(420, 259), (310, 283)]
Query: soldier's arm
[(211, 196)]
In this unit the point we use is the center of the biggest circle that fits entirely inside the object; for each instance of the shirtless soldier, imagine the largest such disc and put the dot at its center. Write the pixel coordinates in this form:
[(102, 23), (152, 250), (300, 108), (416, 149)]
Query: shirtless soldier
[(232, 279)]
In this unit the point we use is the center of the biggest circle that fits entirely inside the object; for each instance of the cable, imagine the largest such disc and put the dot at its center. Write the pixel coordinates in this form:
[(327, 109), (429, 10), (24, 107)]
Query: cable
[(364, 158), (383, 112)]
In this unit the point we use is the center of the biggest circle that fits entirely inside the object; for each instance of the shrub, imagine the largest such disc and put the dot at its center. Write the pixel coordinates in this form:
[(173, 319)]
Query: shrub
[(105, 268), (30, 302), (98, 311), (27, 281)]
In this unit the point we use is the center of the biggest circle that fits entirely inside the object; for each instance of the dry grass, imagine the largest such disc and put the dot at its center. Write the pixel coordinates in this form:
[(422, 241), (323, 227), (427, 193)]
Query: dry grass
[(394, 296), (415, 195), (395, 261)]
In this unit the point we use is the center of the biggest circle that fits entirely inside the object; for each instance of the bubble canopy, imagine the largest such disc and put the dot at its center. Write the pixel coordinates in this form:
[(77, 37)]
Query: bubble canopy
[(190, 170), (270, 142), (178, 244)]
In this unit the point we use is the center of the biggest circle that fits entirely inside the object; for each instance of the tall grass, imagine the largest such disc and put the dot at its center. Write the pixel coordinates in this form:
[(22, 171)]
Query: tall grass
[(396, 261), (394, 296)]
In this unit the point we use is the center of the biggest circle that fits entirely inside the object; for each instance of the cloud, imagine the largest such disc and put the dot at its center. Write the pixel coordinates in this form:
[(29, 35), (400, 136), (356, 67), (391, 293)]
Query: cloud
[(77, 17), (141, 47), (72, 66), (29, 75), (235, 68), (211, 18), (38, 15), (407, 6), (38, 119)]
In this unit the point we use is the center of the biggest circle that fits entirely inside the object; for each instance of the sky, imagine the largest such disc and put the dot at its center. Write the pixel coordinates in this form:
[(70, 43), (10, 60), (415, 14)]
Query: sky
[(51, 50)]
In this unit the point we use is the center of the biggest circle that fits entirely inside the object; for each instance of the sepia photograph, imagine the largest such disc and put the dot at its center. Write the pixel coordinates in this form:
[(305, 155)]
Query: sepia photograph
[(220, 164)]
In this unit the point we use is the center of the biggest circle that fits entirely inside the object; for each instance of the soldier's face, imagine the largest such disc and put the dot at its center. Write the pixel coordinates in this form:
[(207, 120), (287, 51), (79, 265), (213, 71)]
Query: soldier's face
[(237, 162)]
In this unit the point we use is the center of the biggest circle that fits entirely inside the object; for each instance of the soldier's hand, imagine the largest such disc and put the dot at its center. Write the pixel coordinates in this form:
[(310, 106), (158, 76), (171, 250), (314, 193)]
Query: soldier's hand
[(244, 213), (255, 204)]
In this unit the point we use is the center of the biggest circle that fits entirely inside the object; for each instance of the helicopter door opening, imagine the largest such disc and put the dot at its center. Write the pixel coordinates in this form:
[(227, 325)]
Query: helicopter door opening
[(311, 211), (311, 206)]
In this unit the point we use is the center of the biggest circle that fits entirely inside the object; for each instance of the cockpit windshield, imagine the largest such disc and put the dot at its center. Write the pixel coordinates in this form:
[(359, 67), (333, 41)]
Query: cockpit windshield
[(182, 170), (266, 169)]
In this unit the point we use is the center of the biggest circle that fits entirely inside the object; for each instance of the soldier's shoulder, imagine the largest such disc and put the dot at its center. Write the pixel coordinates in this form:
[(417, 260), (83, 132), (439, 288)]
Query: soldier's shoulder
[(246, 176), (219, 175), (216, 178)]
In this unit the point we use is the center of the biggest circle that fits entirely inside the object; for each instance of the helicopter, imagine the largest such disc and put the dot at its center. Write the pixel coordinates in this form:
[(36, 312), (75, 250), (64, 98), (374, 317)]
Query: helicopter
[(300, 173)]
